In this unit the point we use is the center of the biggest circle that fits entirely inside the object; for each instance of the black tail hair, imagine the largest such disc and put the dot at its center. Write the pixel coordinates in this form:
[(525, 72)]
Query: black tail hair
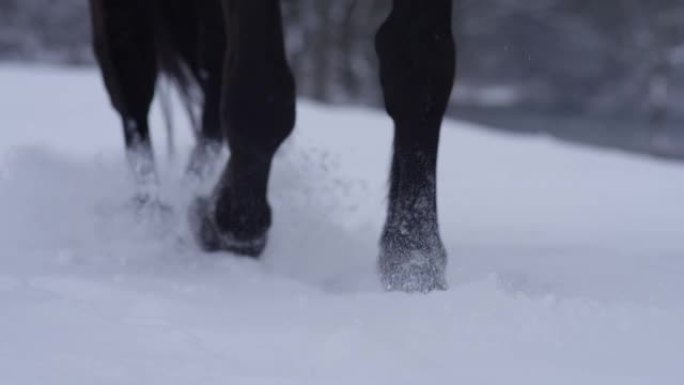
[(175, 41)]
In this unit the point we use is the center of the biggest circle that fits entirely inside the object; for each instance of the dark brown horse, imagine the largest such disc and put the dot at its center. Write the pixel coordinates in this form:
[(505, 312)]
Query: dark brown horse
[(234, 49)]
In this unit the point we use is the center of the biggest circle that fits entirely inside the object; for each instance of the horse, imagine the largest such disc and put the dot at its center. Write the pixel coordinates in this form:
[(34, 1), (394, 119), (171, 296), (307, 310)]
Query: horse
[(235, 51)]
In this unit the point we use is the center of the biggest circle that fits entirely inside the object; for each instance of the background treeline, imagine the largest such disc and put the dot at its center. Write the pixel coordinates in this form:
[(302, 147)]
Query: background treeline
[(589, 56)]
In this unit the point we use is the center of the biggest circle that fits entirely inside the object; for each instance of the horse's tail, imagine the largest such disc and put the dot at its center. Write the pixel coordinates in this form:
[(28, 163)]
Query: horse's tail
[(173, 21)]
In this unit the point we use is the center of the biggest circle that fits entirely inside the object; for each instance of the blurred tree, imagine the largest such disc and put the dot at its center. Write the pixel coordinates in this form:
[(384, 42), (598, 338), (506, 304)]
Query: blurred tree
[(567, 55), (50, 30)]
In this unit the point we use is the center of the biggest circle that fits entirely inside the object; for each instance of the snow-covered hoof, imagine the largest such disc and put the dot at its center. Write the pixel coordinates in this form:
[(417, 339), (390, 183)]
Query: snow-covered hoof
[(146, 202), (413, 270), (150, 208), (212, 239), (203, 160)]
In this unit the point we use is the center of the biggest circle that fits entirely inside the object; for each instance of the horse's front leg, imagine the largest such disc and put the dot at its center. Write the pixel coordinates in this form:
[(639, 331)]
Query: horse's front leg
[(417, 67), (210, 51), (258, 113), (125, 50)]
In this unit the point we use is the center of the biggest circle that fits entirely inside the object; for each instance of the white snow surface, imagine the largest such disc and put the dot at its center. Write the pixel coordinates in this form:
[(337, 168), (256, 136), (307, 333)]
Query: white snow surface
[(566, 263)]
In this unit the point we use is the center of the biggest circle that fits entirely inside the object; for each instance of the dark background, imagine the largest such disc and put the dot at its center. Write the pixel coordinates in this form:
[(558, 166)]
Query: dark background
[(603, 72)]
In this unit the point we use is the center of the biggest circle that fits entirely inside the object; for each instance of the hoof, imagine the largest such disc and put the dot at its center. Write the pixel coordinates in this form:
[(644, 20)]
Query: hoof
[(413, 271), (150, 207), (212, 239), (203, 160)]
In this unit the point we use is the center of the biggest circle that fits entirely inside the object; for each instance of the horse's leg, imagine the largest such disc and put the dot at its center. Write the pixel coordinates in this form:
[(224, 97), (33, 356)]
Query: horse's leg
[(124, 47), (258, 113), (417, 66), (211, 47)]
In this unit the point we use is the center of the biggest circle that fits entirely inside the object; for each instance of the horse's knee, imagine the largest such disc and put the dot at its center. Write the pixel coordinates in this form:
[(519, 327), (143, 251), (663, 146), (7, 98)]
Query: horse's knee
[(124, 47), (258, 106), (417, 59), (260, 114)]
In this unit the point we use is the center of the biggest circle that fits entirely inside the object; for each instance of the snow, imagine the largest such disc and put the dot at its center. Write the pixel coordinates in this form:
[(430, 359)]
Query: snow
[(566, 264)]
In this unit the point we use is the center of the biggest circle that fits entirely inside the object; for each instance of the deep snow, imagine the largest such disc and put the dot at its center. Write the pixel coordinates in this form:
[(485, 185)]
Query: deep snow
[(566, 264)]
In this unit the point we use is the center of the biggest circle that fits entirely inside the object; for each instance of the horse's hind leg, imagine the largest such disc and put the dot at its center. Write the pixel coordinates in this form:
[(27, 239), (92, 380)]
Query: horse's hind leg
[(210, 50), (417, 65), (258, 112), (124, 47)]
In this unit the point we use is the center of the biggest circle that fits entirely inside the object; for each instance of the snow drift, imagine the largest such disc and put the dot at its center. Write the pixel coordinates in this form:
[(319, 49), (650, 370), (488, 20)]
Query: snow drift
[(566, 264)]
